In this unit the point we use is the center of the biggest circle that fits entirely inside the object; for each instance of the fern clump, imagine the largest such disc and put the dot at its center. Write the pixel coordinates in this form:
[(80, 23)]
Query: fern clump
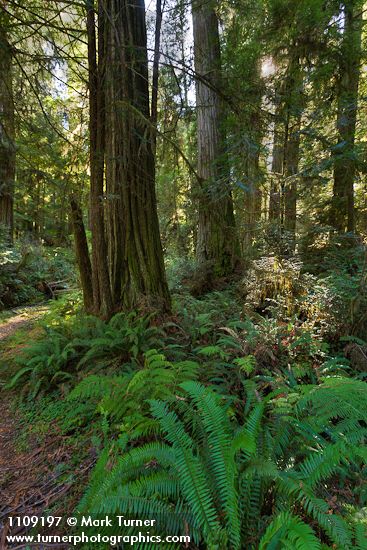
[(234, 485), (83, 343), (123, 398)]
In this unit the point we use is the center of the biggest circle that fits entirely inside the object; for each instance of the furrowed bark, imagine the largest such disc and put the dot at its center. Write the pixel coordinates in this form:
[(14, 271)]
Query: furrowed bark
[(100, 277), (342, 211), (217, 243), (82, 254), (136, 257), (7, 146)]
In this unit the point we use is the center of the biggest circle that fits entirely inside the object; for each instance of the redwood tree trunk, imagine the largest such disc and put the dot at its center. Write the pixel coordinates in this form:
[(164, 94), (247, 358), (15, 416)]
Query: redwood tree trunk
[(7, 148), (217, 243), (342, 214), (136, 265), (82, 254), (283, 193), (294, 106), (100, 277)]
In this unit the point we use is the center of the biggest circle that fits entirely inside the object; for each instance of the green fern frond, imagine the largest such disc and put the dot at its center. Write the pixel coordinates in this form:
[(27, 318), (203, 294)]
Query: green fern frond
[(289, 529), (221, 456), (193, 482)]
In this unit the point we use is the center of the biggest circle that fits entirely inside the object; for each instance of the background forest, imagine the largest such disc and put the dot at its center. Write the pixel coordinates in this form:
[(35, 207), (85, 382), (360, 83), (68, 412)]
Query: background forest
[(183, 269)]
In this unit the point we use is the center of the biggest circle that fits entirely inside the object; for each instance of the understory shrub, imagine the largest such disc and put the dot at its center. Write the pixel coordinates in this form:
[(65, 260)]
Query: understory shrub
[(280, 289), (329, 306), (26, 270)]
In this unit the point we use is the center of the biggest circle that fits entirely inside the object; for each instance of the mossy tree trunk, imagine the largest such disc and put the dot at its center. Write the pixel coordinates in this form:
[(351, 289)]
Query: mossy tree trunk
[(217, 243)]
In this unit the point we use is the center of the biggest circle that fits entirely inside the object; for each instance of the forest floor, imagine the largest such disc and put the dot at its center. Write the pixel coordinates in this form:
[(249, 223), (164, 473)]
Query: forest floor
[(54, 426), (20, 317), (28, 474), (38, 471)]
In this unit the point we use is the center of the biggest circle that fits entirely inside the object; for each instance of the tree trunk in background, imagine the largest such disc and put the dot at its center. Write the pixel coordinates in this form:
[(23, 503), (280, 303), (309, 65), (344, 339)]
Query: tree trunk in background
[(277, 163), (283, 192), (155, 75), (101, 284), (7, 147), (217, 243), (294, 106), (252, 203), (254, 129), (82, 254), (290, 170), (136, 265), (342, 212)]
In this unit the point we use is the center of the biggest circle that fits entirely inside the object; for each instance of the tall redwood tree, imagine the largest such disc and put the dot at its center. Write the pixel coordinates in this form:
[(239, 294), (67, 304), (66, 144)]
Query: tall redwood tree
[(127, 258), (217, 242), (7, 148)]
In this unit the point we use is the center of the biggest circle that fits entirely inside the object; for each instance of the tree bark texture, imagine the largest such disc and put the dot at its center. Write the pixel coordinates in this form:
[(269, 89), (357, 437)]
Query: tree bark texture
[(7, 146), (216, 237), (82, 254), (136, 266), (342, 213), (102, 297)]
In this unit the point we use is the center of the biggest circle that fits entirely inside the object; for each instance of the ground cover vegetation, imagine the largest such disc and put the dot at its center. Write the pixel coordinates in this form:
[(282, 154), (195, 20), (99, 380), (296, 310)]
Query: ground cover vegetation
[(183, 269)]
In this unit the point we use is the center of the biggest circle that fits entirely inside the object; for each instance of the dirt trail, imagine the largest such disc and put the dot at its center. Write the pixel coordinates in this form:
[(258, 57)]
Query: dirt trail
[(31, 479), (21, 316), (33, 470)]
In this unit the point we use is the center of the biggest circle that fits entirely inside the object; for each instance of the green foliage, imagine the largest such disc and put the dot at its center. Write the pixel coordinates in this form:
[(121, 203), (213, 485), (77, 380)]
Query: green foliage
[(279, 288), (287, 531), (201, 318), (243, 419), (244, 431), (178, 269), (346, 278), (44, 364), (82, 343), (123, 398), (122, 338), (26, 267), (50, 412), (347, 412), (218, 476)]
